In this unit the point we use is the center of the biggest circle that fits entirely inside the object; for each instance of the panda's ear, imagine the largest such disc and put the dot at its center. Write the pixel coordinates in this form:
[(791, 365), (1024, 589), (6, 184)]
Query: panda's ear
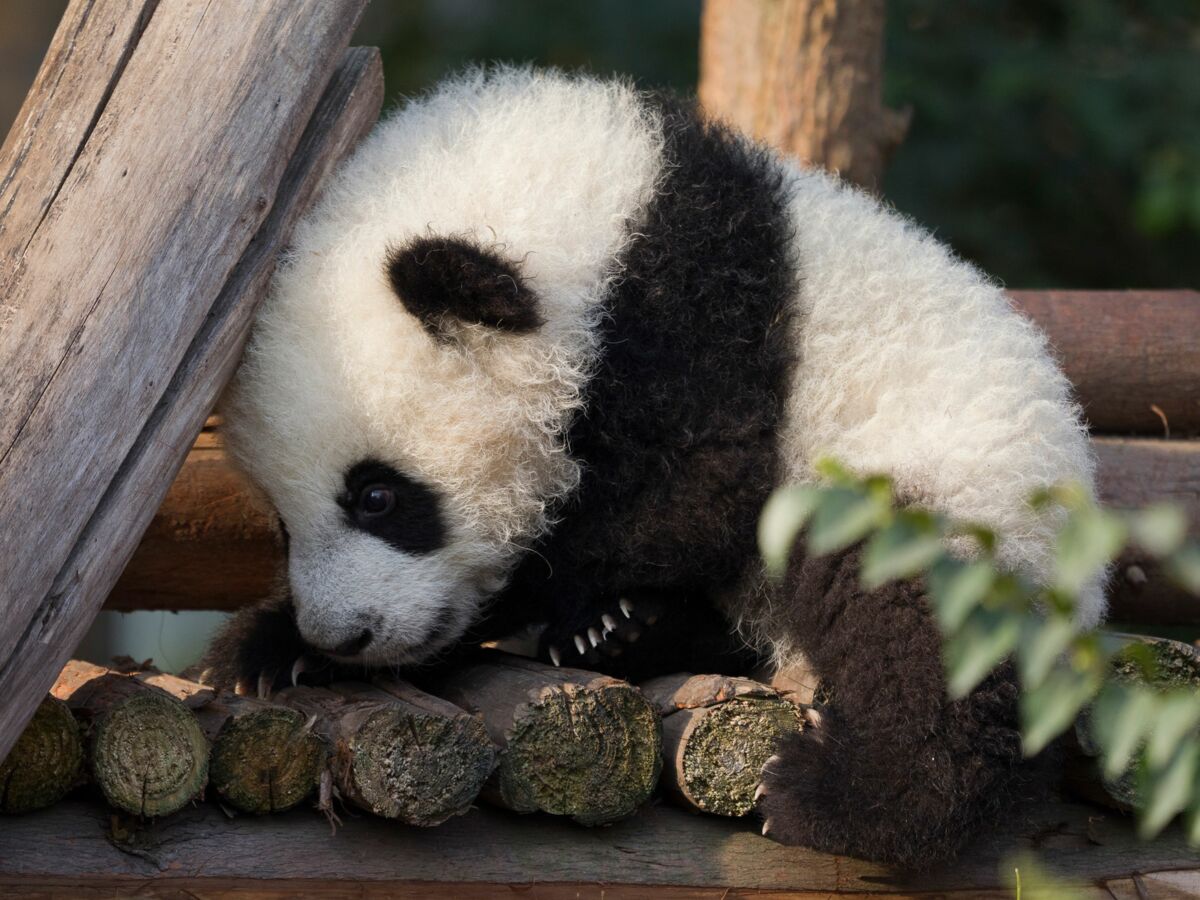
[(437, 278)]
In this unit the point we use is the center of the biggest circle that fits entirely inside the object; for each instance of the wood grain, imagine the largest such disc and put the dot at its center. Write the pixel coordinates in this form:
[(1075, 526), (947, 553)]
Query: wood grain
[(805, 76), (200, 849), (211, 545), (126, 312), (1126, 352)]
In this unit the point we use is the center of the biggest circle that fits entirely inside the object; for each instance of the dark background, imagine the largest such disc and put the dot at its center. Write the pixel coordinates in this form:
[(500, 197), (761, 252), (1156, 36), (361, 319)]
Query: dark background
[(1055, 143)]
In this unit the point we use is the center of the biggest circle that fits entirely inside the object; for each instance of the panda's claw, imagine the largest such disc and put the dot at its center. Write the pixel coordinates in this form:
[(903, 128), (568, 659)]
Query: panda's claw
[(555, 655), (626, 607), (594, 637), (242, 687), (204, 676), (760, 792), (580, 645), (299, 667), (265, 682), (610, 624), (766, 828)]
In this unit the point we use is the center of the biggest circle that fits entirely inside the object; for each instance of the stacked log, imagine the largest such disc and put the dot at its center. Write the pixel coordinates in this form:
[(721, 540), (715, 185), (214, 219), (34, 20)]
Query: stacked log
[(45, 762), (718, 732), (147, 752), (397, 752), (574, 743)]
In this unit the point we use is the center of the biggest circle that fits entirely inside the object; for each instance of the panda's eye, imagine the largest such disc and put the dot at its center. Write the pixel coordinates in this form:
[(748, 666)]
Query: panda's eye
[(376, 500)]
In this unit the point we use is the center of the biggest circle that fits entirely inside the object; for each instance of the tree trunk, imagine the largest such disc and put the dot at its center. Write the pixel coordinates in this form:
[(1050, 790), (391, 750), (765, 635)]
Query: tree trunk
[(805, 76), (148, 754), (398, 753), (146, 162), (574, 743), (717, 733)]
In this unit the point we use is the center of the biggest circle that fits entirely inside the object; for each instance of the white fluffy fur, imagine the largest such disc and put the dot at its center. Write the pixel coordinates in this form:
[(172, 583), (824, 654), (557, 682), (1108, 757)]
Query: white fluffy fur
[(914, 364), (911, 362), (549, 170)]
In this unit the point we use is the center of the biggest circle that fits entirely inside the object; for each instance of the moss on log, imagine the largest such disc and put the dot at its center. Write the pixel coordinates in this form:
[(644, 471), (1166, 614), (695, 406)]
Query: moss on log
[(148, 754), (396, 753), (45, 762), (574, 743), (718, 732)]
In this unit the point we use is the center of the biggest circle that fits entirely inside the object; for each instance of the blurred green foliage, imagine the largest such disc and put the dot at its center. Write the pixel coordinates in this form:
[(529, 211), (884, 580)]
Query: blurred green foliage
[(1054, 142)]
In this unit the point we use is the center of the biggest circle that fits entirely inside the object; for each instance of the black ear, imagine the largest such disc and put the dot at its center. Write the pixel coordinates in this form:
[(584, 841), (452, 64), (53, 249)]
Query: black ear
[(435, 277)]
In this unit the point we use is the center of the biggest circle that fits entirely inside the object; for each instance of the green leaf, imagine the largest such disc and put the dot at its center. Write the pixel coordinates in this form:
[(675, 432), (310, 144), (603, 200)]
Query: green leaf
[(1042, 642), (906, 547), (784, 515), (1089, 541), (1184, 568), (1159, 529), (1178, 714), (844, 516), (1049, 710), (984, 640), (957, 588), (1121, 717), (1168, 790), (1191, 821)]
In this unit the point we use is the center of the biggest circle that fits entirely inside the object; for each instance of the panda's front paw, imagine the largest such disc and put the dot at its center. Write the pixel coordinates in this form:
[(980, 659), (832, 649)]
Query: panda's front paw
[(260, 650), (796, 786)]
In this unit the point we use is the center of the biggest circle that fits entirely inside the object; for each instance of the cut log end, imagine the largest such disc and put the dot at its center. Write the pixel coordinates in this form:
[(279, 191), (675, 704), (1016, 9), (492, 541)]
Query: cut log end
[(591, 753), (149, 756), (724, 750), (44, 763), (266, 760), (421, 769)]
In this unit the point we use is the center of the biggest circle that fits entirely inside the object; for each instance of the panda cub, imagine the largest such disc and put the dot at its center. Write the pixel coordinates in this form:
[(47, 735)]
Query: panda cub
[(540, 354)]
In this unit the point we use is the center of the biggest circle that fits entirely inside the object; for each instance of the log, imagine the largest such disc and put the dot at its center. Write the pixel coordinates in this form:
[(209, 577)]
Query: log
[(399, 753), (1126, 353), (805, 76), (145, 163), (146, 750), (45, 762), (1134, 473), (574, 743), (1176, 667), (265, 757), (718, 732)]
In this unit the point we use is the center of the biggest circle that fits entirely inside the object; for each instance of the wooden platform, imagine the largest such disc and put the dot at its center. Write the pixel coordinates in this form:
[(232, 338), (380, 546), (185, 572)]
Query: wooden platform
[(79, 849)]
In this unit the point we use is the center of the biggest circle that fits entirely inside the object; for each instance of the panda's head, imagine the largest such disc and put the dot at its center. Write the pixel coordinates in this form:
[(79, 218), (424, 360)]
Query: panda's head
[(406, 391)]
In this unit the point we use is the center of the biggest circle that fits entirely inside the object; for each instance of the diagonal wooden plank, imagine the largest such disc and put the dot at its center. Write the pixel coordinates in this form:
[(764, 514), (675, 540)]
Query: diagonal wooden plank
[(127, 268)]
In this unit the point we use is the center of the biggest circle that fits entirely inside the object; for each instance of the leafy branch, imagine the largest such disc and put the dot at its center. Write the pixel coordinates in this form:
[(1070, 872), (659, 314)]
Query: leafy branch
[(987, 615)]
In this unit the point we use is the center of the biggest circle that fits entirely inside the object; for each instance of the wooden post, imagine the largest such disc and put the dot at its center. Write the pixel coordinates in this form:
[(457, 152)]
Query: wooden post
[(805, 76), (718, 732), (145, 163), (147, 752), (575, 743)]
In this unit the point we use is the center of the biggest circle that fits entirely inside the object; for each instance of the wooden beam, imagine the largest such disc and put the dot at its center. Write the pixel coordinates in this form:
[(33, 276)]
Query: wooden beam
[(200, 850), (125, 305), (1126, 352)]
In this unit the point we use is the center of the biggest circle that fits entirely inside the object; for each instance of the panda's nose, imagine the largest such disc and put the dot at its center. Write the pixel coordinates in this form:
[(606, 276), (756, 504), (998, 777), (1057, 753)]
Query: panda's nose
[(355, 645)]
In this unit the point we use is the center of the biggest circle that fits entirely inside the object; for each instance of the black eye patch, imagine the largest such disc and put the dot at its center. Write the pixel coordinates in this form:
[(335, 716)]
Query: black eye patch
[(440, 276), (392, 506)]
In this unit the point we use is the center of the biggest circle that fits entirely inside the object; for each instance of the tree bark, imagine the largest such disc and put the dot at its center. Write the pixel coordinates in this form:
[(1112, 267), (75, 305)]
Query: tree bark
[(147, 751), (718, 732), (805, 76), (45, 762), (398, 753), (574, 743)]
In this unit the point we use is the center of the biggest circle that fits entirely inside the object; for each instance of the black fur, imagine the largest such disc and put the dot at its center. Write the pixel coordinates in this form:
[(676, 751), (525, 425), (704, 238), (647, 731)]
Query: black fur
[(413, 525), (439, 276), (678, 434), (896, 771)]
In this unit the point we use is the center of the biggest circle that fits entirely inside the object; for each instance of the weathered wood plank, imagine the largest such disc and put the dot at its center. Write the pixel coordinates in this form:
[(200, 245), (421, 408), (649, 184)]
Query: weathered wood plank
[(1126, 352), (660, 846), (121, 334), (211, 546)]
